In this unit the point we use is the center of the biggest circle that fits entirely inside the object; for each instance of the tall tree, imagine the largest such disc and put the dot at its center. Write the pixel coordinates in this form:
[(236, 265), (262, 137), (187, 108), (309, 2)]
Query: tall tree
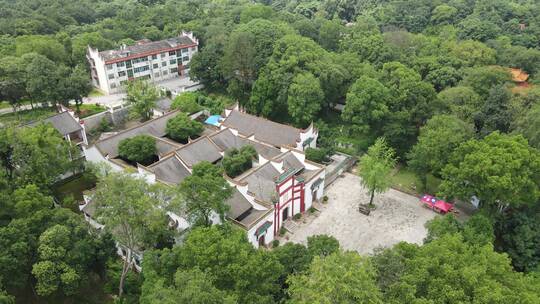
[(338, 278), (449, 270), (133, 211), (375, 168), (501, 170), (35, 155), (204, 193), (12, 80), (305, 98), (438, 138), (142, 96), (367, 104)]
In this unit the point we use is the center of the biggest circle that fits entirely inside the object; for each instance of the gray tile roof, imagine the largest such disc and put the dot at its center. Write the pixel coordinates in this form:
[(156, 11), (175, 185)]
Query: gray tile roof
[(145, 47), (63, 122), (199, 150), (226, 140), (165, 146), (241, 210), (290, 161), (264, 130), (238, 204), (170, 170), (164, 104), (261, 182), (155, 127)]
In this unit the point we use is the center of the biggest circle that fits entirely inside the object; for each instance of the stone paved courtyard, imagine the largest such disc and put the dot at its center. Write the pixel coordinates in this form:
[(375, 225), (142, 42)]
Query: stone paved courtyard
[(397, 217)]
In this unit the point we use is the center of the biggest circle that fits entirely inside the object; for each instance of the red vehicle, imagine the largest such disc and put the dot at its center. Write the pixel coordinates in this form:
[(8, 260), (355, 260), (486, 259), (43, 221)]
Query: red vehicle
[(436, 204)]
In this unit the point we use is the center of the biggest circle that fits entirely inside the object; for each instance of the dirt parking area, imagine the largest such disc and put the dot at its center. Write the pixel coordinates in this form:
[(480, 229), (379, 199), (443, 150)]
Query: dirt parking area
[(397, 217)]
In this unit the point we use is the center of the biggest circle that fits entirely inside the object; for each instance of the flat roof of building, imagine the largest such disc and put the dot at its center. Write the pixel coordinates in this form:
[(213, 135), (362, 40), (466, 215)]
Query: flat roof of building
[(144, 47)]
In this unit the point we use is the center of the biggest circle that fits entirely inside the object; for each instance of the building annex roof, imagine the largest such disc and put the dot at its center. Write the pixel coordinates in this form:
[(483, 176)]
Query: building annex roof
[(263, 129), (63, 122)]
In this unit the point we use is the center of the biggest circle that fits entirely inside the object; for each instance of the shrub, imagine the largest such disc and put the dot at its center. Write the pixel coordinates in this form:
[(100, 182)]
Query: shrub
[(186, 102), (282, 231), (237, 161), (139, 149), (181, 127), (325, 199), (312, 210), (297, 216), (275, 243), (316, 155), (104, 125)]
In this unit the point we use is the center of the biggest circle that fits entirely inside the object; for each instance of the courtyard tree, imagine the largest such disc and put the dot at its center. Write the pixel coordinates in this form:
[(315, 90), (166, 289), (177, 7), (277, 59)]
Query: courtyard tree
[(139, 149), (142, 95), (204, 193), (375, 168), (186, 102), (366, 104), (342, 277), (438, 138), (133, 211), (182, 127), (237, 161), (305, 98), (501, 170)]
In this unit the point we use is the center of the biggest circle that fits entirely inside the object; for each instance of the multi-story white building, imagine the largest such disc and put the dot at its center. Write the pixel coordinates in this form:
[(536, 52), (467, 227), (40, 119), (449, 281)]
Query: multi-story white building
[(153, 60)]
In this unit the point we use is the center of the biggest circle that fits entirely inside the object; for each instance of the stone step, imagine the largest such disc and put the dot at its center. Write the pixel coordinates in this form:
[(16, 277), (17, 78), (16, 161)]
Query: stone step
[(290, 226)]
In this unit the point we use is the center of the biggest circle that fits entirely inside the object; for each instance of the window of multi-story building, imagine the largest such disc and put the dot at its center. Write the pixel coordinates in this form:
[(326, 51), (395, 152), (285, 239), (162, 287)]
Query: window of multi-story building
[(156, 75), (111, 76), (155, 65), (113, 85), (172, 53), (186, 58), (121, 74), (172, 61), (185, 50), (154, 56), (165, 72), (123, 82), (178, 54), (128, 64), (193, 49), (109, 66), (163, 55), (174, 70), (120, 64), (141, 69), (164, 63), (130, 73)]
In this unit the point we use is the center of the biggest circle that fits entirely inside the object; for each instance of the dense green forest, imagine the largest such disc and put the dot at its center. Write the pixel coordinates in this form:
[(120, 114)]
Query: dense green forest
[(431, 77)]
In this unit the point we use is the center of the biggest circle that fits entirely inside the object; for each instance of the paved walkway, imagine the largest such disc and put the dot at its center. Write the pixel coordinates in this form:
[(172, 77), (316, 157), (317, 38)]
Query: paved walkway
[(397, 217)]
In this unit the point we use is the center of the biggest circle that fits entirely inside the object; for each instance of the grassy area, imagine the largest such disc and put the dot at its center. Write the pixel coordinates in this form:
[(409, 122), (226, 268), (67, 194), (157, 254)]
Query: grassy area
[(405, 180), (89, 109), (95, 93), (26, 116)]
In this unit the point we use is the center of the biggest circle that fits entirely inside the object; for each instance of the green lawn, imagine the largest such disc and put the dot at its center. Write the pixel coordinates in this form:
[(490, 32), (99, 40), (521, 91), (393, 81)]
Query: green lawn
[(95, 93), (26, 116), (405, 180), (88, 109)]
